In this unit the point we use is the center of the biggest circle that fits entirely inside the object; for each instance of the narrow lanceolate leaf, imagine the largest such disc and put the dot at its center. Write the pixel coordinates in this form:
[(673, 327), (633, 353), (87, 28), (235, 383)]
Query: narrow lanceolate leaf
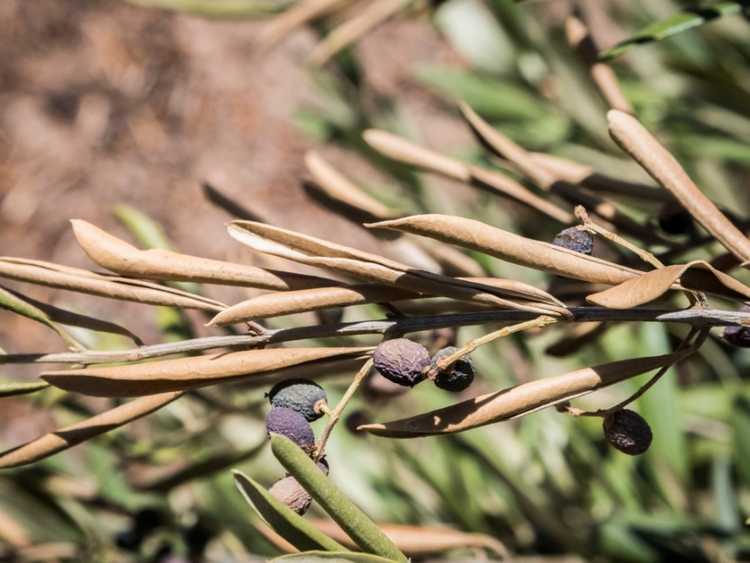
[(674, 24), (404, 151), (511, 247), (188, 373), (82, 281), (352, 520), (419, 541), (15, 303), (284, 521), (162, 264), (289, 302), (697, 275), (637, 141), (317, 252), (518, 400), (70, 318), (333, 557), (13, 388), (338, 187), (65, 438)]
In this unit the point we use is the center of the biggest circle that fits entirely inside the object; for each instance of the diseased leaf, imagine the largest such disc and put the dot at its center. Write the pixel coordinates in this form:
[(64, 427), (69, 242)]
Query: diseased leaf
[(83, 281), (13, 388), (418, 541), (333, 557), (188, 373), (162, 264), (674, 24), (316, 252), (697, 275), (282, 519), (351, 519), (639, 143), (511, 247), (340, 188), (406, 152), (65, 438), (517, 400), (276, 304)]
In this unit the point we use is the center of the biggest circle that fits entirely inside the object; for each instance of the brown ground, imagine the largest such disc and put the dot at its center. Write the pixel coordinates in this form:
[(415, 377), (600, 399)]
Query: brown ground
[(103, 103)]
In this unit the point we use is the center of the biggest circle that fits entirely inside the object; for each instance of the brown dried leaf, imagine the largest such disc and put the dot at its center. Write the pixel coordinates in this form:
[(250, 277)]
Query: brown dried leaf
[(518, 400), (316, 252), (65, 438), (418, 541), (514, 248), (340, 188), (637, 141), (188, 373), (451, 260), (83, 281), (697, 275), (287, 303), (158, 264)]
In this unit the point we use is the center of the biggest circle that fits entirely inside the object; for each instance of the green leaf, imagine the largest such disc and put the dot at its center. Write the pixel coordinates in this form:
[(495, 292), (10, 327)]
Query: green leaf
[(285, 522), (12, 388), (741, 427), (333, 557), (677, 23), (494, 99), (20, 306), (352, 520)]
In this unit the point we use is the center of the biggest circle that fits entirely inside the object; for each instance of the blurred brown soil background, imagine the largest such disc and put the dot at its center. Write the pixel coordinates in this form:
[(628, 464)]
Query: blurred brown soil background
[(104, 103)]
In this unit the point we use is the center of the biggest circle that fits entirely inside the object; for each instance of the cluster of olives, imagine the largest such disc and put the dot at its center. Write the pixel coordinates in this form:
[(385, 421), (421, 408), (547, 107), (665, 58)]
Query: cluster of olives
[(295, 403), (407, 363)]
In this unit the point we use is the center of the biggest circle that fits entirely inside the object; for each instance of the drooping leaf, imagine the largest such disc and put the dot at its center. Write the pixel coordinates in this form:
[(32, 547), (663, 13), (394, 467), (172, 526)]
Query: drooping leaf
[(639, 143), (188, 373), (284, 521), (161, 264), (65, 438), (351, 518), (518, 400), (697, 275), (674, 24)]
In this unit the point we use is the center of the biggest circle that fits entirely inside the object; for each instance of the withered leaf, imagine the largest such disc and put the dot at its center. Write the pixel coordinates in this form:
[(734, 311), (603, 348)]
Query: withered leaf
[(514, 248), (188, 373), (697, 275), (518, 400), (160, 264), (637, 141), (83, 281), (65, 438), (317, 252)]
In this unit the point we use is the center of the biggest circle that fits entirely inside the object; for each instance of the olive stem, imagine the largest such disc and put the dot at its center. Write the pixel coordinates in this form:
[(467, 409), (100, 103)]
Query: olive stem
[(335, 415)]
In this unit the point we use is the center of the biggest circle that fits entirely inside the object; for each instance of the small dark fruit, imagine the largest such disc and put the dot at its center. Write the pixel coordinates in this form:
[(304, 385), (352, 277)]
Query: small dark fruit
[(458, 376), (575, 239), (290, 423), (291, 493), (675, 219), (627, 431), (401, 361), (737, 336), (304, 396)]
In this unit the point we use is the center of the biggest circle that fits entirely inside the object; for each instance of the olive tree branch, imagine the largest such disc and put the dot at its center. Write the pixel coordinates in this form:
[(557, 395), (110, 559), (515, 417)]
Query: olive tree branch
[(697, 317)]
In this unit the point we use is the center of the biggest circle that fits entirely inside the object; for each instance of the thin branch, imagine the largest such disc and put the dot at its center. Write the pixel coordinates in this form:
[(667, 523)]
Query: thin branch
[(335, 414), (402, 325)]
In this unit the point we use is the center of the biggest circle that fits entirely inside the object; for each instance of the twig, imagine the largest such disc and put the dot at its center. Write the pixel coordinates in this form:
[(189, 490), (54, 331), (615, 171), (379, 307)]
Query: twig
[(335, 414), (644, 255), (472, 345)]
